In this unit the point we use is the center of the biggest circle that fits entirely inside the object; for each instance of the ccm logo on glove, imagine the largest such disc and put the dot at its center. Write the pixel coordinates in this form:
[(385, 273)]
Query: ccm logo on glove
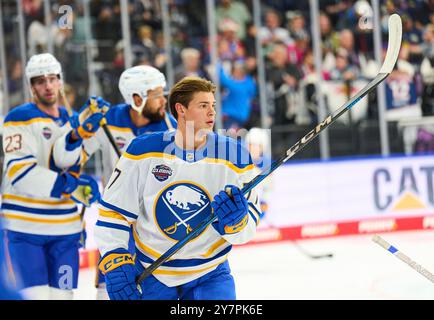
[(113, 261)]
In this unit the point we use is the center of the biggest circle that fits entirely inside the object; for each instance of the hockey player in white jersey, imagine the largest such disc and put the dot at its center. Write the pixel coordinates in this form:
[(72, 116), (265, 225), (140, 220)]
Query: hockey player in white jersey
[(164, 185), (144, 111), (42, 223)]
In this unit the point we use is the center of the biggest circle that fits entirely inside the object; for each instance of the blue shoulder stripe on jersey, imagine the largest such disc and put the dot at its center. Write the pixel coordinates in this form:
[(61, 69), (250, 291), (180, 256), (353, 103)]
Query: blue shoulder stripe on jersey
[(112, 226), (23, 174), (24, 112), (118, 115), (151, 142), (183, 262), (38, 211), (28, 111), (229, 149), (19, 159), (117, 209), (253, 217), (217, 147)]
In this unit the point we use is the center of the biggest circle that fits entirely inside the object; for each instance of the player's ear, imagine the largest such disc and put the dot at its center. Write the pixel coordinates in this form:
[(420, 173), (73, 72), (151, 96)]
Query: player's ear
[(137, 100), (180, 109)]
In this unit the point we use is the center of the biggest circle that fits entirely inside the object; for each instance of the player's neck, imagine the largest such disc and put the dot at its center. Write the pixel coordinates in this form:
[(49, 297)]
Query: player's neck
[(187, 140), (51, 110), (138, 120)]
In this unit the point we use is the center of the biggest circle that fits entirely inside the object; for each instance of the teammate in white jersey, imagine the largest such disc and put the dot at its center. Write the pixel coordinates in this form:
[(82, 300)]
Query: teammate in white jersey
[(42, 223), (164, 185), (144, 111)]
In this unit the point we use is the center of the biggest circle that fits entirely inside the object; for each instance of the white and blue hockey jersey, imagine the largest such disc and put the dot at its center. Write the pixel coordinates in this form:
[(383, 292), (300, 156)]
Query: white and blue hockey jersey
[(123, 131), (29, 174), (164, 192)]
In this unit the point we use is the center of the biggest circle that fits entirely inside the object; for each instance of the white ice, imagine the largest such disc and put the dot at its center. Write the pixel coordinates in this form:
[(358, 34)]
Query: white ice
[(359, 269)]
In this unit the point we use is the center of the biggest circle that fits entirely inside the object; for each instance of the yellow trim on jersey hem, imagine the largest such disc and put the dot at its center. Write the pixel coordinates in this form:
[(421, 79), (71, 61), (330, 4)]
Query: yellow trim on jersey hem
[(187, 272), (111, 127), (37, 201), (17, 217), (15, 168), (20, 123), (112, 214), (214, 247)]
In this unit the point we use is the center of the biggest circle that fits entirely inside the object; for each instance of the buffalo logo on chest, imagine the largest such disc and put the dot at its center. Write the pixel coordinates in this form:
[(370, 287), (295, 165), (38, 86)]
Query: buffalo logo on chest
[(180, 207)]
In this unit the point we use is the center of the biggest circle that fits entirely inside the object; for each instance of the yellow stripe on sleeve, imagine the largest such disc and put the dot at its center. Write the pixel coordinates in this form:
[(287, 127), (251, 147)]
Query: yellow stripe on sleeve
[(37, 201), (112, 214), (17, 167), (17, 217)]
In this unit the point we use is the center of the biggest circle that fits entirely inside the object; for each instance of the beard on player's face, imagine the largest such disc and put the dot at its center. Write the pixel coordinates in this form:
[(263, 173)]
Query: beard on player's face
[(155, 115)]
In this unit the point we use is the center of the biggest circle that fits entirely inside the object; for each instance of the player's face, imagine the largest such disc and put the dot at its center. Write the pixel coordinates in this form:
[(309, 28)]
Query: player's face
[(201, 111), (155, 106), (46, 89)]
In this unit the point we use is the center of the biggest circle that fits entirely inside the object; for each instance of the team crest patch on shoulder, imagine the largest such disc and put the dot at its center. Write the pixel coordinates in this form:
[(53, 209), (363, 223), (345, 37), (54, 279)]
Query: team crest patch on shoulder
[(120, 141), (180, 208), (162, 172), (47, 133)]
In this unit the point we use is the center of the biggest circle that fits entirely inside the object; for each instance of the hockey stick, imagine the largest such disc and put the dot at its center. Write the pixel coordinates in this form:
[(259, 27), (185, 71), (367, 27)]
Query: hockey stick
[(401, 256), (103, 123), (395, 33)]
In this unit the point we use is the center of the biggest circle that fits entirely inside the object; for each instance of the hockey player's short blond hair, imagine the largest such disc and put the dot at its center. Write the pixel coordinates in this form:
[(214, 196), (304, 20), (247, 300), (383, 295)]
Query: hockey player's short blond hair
[(182, 92)]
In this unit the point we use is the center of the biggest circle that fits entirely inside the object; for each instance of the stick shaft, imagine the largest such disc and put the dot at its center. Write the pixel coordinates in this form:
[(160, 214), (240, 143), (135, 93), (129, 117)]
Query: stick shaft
[(403, 257)]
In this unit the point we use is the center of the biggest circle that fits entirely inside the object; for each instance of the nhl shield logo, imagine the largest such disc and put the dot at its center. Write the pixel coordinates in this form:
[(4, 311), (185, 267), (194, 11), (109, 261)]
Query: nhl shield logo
[(162, 172), (180, 208), (47, 133)]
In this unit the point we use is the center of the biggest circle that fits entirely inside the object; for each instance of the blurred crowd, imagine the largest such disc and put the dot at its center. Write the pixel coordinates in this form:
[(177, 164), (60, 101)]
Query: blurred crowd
[(286, 38)]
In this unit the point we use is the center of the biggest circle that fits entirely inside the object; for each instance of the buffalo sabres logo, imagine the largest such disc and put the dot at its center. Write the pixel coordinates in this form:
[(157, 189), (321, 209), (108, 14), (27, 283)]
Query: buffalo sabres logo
[(180, 208), (47, 133)]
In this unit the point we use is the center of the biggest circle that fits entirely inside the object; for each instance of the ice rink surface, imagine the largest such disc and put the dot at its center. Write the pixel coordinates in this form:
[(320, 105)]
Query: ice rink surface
[(359, 269)]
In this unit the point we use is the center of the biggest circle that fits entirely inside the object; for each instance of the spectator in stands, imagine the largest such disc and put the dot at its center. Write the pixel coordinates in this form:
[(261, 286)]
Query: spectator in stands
[(413, 36), (283, 79), (15, 82), (296, 25), (427, 71), (309, 80), (107, 29), (191, 65), (346, 41), (230, 47), (236, 11), (272, 31), (343, 69), (329, 37), (239, 90), (145, 45)]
